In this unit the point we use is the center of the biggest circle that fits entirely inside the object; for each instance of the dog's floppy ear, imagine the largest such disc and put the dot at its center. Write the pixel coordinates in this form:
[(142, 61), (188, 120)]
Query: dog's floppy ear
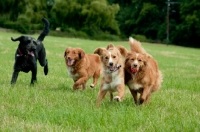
[(145, 58), (98, 51), (81, 53), (65, 53), (127, 56), (17, 39), (110, 46), (122, 50)]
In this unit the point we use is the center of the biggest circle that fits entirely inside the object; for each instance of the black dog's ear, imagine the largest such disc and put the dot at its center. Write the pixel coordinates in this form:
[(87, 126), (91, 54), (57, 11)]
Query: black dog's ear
[(17, 39)]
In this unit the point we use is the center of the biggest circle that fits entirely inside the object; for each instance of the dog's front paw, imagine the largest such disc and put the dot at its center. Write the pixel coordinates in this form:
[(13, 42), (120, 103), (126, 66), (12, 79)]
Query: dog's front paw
[(76, 87), (141, 101), (46, 69), (117, 98), (92, 85)]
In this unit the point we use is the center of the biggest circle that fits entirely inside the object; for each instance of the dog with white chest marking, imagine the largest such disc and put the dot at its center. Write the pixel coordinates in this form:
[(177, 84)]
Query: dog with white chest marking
[(142, 74), (82, 66), (113, 72)]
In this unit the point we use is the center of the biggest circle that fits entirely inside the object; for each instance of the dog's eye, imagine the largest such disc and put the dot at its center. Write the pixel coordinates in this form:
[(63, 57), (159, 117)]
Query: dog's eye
[(132, 59), (140, 60), (106, 58), (114, 56)]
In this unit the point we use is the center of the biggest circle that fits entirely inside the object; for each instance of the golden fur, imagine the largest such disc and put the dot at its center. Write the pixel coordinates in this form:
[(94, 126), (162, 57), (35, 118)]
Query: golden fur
[(113, 72), (141, 73), (82, 66)]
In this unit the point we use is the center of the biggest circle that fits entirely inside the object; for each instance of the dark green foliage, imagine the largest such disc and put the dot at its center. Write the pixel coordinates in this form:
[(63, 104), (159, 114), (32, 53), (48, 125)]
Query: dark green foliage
[(101, 19), (188, 31), (90, 16), (23, 25)]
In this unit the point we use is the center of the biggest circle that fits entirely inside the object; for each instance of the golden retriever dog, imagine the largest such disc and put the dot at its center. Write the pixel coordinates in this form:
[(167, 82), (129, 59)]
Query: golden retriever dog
[(142, 75), (82, 66), (113, 72)]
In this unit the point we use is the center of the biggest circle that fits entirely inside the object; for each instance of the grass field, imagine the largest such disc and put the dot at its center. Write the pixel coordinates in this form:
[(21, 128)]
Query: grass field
[(51, 104)]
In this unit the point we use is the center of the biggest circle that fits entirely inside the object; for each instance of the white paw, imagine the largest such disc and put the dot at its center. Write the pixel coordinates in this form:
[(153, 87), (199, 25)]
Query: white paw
[(117, 98), (92, 85)]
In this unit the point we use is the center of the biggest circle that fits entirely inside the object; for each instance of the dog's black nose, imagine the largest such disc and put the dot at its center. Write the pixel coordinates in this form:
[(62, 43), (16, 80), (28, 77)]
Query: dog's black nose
[(134, 65), (111, 64)]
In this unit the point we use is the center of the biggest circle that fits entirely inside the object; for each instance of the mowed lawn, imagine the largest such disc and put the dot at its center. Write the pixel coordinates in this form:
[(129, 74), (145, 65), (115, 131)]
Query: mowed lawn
[(52, 105)]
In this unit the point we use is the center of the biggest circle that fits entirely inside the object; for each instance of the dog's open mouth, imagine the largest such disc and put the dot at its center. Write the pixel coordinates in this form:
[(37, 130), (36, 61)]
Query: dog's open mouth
[(114, 68), (134, 70), (70, 62), (30, 53), (111, 68)]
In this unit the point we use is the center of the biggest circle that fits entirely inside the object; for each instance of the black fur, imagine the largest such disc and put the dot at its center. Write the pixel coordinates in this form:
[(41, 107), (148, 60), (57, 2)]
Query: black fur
[(28, 52)]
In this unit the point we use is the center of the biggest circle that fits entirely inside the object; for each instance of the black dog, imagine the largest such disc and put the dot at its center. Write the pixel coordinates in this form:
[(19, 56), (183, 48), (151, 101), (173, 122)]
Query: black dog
[(28, 52)]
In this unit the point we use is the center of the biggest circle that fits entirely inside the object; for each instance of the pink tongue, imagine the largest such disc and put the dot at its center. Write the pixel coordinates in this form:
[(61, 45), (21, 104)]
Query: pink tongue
[(112, 68), (70, 62), (30, 53)]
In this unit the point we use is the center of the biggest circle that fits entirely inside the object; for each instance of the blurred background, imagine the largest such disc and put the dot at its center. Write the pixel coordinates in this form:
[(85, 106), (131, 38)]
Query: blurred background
[(157, 21)]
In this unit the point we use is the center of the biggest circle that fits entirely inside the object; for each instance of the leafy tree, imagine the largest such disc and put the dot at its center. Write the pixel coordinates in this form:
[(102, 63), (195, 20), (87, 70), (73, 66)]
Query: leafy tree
[(88, 15), (140, 17), (188, 31), (101, 16)]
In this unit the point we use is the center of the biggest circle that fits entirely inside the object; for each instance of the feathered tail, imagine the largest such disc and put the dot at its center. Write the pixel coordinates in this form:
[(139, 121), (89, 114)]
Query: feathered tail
[(135, 46), (45, 30)]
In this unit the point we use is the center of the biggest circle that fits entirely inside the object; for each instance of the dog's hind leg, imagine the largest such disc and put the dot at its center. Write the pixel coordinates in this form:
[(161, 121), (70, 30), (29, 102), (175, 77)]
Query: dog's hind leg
[(14, 77)]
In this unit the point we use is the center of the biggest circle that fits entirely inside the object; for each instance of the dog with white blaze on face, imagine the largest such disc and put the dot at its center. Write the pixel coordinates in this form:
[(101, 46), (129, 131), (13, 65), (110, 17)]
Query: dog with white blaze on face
[(142, 75), (113, 72)]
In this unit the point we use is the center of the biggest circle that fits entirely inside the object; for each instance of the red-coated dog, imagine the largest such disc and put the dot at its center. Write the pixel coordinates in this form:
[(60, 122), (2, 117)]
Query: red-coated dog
[(82, 66), (141, 73)]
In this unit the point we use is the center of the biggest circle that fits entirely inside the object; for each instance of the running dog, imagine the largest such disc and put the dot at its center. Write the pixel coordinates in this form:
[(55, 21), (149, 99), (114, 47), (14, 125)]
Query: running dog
[(113, 72), (28, 52), (82, 66), (142, 74)]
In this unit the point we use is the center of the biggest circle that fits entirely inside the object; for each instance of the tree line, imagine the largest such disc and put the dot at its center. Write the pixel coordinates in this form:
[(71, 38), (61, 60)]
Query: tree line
[(146, 20)]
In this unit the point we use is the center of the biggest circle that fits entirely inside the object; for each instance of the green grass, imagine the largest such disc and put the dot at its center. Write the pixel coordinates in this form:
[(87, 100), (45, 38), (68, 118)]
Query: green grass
[(52, 105)]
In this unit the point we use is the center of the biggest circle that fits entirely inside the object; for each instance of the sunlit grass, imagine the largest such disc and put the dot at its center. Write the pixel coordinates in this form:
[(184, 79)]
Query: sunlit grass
[(52, 105)]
